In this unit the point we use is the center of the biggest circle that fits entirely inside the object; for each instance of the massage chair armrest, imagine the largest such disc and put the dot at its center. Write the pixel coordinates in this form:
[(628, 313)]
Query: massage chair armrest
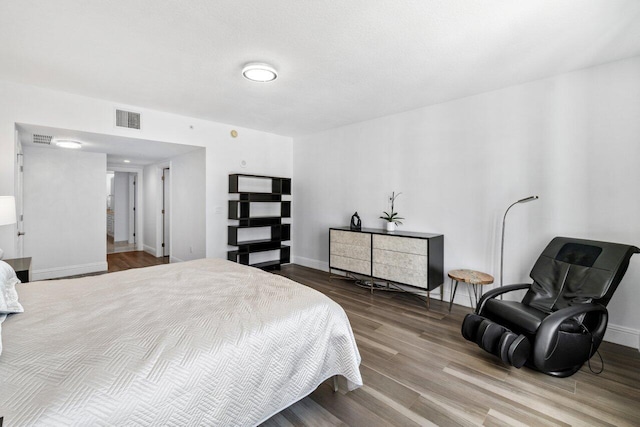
[(548, 330), (499, 291)]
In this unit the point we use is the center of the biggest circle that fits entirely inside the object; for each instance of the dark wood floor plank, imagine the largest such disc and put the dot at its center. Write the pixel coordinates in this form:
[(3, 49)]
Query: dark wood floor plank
[(136, 259), (345, 409)]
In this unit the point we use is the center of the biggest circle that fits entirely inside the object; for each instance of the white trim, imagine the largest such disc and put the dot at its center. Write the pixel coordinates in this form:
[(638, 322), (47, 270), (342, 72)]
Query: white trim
[(173, 259), (69, 270), (150, 250), (311, 263), (622, 335)]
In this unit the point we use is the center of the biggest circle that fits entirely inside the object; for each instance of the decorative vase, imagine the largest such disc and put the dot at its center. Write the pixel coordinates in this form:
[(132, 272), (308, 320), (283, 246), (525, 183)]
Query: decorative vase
[(391, 226)]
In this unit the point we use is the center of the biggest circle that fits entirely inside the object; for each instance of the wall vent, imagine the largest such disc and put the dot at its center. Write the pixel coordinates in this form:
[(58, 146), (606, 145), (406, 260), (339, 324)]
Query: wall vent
[(42, 139), (127, 119)]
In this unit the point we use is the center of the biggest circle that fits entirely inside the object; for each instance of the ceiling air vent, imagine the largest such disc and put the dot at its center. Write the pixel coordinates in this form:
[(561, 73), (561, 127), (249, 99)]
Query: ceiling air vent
[(127, 119), (42, 139)]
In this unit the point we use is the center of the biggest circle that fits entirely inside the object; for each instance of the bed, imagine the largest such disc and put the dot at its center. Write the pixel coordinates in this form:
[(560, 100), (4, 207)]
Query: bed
[(205, 342)]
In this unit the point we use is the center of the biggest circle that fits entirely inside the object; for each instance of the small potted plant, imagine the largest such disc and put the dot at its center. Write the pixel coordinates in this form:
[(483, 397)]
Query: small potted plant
[(392, 217)]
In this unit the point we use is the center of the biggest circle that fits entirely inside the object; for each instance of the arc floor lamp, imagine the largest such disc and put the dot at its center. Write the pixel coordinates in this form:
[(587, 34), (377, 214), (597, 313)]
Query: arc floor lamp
[(504, 219)]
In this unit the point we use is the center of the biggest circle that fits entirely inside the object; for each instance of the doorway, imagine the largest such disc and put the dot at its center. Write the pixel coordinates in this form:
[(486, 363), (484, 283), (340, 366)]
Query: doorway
[(121, 211)]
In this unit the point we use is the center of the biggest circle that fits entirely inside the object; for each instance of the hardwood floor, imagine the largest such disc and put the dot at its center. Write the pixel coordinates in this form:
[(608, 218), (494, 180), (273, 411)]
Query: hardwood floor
[(116, 247), (136, 259), (418, 370)]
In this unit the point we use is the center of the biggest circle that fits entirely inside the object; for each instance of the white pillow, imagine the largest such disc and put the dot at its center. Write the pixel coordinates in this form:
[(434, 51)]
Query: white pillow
[(8, 295)]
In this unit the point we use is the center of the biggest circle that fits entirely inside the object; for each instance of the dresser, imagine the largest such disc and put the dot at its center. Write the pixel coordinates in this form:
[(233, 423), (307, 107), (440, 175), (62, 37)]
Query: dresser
[(401, 257)]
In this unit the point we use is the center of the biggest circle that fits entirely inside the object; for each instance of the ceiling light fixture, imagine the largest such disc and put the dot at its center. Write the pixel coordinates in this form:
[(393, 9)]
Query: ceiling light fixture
[(67, 143), (259, 72), (127, 161)]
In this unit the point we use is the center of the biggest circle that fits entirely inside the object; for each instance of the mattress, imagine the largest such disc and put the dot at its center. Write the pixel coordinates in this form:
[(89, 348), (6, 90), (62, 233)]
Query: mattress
[(205, 342)]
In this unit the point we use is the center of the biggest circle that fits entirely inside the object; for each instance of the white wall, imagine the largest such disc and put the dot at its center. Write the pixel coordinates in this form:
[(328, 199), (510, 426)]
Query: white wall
[(64, 211), (264, 153), (121, 206), (188, 222), (571, 139)]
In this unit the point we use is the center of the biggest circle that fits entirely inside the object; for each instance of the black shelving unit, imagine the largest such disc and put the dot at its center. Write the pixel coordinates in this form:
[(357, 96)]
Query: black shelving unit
[(240, 210)]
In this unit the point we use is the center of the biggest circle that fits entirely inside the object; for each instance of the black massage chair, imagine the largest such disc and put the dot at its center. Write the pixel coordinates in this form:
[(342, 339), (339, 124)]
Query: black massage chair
[(561, 321)]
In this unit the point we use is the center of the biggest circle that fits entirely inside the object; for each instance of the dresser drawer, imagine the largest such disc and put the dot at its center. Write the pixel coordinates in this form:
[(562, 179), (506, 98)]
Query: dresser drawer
[(350, 264), (401, 275), (401, 260), (350, 238), (351, 251), (401, 244)]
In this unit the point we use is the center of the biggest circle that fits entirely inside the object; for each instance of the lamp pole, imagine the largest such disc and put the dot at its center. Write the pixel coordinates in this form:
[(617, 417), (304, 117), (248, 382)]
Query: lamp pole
[(504, 219)]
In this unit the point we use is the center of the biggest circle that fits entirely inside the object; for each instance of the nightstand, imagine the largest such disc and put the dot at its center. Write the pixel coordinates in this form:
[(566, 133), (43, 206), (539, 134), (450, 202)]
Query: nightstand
[(22, 267)]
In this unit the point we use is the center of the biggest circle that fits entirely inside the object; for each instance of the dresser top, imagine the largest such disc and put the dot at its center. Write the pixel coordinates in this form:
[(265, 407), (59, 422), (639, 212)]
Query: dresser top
[(390, 233)]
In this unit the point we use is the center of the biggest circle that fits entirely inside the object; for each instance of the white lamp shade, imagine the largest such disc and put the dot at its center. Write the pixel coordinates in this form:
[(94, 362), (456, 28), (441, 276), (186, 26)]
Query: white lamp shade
[(7, 210)]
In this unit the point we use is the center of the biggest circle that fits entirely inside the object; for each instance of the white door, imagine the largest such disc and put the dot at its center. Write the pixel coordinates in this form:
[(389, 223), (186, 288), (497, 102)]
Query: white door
[(166, 213)]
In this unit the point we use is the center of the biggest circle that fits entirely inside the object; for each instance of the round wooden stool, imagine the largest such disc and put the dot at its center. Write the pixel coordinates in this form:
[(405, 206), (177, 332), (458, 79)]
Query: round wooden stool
[(473, 278)]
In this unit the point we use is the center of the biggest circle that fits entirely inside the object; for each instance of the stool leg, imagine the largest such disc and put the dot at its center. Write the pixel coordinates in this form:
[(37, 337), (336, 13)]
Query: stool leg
[(453, 295), (469, 288), (477, 290)]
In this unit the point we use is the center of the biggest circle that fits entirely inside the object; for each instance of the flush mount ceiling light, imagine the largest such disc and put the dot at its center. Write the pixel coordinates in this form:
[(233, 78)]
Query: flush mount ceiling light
[(127, 161), (259, 72), (67, 143)]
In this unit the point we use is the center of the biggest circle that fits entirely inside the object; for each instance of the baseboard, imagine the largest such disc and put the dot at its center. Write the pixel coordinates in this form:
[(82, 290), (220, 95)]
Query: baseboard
[(69, 270), (622, 335), (149, 249), (311, 263), (173, 259)]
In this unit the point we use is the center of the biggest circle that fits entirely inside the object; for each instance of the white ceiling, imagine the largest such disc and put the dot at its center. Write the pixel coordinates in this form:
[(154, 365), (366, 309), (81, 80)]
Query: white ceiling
[(140, 152), (339, 61)]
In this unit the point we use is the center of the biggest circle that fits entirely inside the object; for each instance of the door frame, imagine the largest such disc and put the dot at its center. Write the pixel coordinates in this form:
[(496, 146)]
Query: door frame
[(139, 217), (166, 210)]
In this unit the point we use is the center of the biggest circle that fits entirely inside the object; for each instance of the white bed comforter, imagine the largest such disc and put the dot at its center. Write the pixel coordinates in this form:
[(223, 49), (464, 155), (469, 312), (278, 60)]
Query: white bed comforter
[(205, 342)]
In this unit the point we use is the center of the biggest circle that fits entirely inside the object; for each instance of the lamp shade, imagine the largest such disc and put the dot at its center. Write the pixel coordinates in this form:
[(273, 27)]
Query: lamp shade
[(7, 210)]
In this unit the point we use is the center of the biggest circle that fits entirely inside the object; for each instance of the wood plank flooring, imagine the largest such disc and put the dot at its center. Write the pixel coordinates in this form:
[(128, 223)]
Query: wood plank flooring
[(136, 259), (418, 370)]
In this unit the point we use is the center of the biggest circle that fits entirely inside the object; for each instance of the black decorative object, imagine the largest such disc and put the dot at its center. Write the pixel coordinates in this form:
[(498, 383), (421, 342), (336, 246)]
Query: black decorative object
[(356, 224)]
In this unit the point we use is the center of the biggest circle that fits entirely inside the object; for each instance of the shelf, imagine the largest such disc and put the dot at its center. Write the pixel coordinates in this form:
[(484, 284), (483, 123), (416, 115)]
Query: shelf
[(260, 197), (260, 246), (251, 190), (268, 265), (278, 233), (241, 209), (278, 185), (260, 222), (242, 257)]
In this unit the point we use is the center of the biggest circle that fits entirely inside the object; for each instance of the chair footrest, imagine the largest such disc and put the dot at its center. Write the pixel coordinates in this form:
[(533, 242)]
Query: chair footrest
[(512, 348)]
